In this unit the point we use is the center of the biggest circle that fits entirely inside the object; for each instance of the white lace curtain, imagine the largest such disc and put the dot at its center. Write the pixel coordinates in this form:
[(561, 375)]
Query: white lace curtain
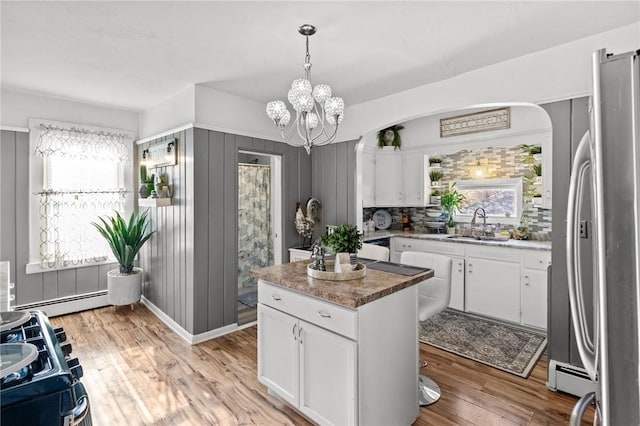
[(79, 143), (67, 209)]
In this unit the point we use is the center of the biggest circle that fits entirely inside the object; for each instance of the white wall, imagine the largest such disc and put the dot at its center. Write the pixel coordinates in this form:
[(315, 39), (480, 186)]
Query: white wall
[(561, 72), (18, 108), (227, 113), (170, 114)]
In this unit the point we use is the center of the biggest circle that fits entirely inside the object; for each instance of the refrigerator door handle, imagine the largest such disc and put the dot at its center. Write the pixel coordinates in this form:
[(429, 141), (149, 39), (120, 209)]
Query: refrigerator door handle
[(581, 407), (586, 348)]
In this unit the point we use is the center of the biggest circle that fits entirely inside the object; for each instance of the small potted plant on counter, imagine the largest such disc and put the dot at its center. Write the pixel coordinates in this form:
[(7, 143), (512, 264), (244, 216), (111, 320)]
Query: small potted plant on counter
[(125, 239), (344, 239), (451, 201)]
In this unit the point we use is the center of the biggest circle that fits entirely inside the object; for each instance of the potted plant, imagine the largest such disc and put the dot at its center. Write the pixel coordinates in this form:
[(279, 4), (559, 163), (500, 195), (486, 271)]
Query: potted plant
[(451, 201), (435, 176), (537, 169), (435, 197), (435, 162), (534, 152), (125, 239), (390, 137), (344, 239)]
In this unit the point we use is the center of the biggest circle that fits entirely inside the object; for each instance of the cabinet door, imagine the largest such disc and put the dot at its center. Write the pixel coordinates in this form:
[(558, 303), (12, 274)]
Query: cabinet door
[(457, 284), (413, 171), (388, 188), (368, 179), (327, 376), (493, 288), (278, 353), (534, 298)]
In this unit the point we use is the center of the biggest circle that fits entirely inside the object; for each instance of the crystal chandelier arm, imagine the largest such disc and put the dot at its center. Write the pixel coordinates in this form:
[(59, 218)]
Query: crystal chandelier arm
[(318, 115)]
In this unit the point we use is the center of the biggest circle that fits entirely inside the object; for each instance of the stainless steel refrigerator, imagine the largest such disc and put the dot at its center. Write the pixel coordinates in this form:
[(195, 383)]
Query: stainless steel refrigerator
[(606, 317)]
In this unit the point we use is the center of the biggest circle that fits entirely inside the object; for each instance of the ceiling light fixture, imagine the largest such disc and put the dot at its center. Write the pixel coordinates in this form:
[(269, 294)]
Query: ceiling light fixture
[(317, 113)]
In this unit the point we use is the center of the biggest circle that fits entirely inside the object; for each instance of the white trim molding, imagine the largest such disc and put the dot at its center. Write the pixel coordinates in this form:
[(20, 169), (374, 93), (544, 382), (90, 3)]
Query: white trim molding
[(193, 339), (15, 129)]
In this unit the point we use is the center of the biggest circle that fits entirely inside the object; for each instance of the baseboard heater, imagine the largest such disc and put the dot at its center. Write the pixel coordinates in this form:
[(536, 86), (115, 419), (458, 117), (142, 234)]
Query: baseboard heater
[(569, 379), (67, 305)]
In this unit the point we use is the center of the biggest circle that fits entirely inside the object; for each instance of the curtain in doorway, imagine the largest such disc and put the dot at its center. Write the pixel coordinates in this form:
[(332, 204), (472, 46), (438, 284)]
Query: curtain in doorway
[(255, 246)]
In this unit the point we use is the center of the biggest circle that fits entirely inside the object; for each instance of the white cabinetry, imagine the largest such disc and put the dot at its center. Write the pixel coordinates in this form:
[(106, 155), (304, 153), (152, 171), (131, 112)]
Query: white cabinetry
[(368, 178), (307, 366), (505, 283), (388, 178), (399, 244), (296, 254), (492, 282), (415, 189), (457, 253), (400, 179), (338, 365), (534, 288)]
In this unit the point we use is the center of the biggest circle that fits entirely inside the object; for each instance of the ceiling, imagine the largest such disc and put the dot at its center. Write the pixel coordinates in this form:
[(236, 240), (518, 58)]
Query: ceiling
[(134, 55)]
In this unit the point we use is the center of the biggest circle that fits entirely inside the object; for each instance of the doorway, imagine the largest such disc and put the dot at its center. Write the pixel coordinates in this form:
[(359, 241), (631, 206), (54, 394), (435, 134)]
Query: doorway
[(259, 224)]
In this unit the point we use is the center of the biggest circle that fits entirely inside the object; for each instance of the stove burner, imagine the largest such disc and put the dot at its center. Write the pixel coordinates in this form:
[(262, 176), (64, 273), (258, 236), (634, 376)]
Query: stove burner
[(15, 357), (9, 320)]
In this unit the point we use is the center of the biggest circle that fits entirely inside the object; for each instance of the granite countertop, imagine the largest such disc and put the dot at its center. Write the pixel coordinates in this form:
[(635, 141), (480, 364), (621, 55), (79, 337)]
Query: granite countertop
[(351, 293), (522, 244)]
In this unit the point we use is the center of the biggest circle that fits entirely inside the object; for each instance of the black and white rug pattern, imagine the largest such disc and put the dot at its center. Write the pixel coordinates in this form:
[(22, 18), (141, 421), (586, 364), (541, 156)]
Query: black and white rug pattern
[(498, 345)]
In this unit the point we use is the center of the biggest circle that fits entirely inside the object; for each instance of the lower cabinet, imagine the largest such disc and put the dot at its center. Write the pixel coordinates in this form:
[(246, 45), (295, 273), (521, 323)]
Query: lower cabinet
[(339, 365), (457, 284), (296, 254), (534, 298), (308, 366), (493, 288), (500, 282)]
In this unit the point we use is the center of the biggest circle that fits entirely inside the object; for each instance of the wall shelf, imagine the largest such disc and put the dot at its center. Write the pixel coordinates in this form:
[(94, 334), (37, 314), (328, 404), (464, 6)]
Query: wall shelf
[(155, 202)]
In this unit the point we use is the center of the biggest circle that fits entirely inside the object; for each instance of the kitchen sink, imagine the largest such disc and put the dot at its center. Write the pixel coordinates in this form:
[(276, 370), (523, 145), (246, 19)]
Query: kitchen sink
[(478, 238)]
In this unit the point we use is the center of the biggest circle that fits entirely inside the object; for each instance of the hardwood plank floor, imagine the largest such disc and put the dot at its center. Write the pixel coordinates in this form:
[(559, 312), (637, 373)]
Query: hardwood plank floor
[(139, 372)]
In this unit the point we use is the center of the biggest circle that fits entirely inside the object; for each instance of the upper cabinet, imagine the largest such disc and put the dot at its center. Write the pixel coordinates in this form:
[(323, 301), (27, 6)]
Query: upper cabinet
[(400, 178)]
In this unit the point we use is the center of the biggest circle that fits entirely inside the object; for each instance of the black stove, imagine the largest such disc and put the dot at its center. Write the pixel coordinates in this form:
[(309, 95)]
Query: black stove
[(40, 383)]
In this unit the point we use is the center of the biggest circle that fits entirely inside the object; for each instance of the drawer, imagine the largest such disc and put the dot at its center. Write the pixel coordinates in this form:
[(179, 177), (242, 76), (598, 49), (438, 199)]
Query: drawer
[(324, 314), (440, 247), (536, 259), (406, 244), (494, 253)]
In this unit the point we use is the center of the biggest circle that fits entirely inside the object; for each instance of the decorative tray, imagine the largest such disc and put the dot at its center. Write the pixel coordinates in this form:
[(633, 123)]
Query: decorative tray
[(359, 271)]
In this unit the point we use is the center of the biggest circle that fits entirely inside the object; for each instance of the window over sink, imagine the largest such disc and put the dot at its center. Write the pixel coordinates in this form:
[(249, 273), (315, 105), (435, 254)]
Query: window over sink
[(500, 198)]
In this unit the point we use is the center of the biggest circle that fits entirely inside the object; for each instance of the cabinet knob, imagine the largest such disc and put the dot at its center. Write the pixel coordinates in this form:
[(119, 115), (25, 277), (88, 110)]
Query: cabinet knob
[(300, 335), (275, 297), (324, 314), (293, 331)]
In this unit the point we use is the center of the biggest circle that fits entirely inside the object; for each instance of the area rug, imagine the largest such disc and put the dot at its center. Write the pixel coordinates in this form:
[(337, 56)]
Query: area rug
[(498, 345), (249, 299)]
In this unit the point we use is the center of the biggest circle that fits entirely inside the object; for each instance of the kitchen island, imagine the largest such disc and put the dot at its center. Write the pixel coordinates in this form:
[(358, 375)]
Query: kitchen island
[(340, 352)]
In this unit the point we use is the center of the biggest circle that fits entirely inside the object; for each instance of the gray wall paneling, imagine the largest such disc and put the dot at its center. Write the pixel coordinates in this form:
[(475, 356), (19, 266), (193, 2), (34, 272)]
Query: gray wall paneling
[(8, 166), (334, 183), (14, 233), (191, 262), (569, 122)]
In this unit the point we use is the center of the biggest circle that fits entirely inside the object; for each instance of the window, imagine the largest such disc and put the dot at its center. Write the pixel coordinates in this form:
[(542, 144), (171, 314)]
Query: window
[(500, 198), (82, 178)]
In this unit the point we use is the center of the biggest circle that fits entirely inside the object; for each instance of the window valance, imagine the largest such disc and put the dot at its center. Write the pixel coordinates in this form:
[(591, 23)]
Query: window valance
[(79, 143)]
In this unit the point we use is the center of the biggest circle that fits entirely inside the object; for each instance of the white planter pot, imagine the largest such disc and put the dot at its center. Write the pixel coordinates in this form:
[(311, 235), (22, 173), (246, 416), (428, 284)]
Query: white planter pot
[(124, 289)]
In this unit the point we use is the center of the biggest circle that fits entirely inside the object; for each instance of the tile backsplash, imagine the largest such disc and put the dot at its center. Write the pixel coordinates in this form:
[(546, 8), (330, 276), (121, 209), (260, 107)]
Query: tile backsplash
[(498, 162)]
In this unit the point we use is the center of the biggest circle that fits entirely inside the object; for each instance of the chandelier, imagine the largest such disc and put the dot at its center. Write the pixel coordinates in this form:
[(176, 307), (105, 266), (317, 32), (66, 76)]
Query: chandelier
[(317, 113)]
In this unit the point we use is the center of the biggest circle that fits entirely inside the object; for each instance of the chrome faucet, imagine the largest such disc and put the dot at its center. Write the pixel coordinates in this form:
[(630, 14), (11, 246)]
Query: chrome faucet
[(480, 212)]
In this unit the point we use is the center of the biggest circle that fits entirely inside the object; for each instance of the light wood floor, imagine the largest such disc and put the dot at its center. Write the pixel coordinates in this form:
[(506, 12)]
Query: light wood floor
[(139, 372)]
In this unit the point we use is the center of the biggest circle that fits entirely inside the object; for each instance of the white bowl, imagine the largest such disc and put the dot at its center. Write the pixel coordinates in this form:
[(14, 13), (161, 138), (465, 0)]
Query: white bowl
[(433, 212)]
